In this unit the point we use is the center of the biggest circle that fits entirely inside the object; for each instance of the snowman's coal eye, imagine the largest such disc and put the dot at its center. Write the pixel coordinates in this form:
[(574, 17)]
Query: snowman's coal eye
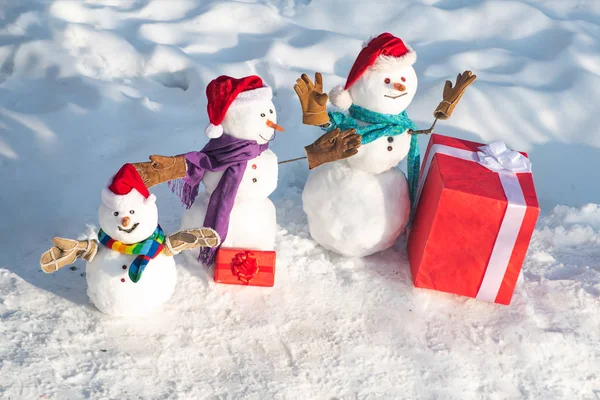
[(403, 79), (387, 80), (131, 212), (271, 111), (116, 214), (262, 115)]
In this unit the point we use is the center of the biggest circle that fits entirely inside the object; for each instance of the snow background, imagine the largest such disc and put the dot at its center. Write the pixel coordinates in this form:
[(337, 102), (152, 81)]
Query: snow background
[(88, 85)]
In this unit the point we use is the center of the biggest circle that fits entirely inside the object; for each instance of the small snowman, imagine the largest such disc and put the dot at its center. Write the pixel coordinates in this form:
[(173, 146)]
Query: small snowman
[(130, 268), (360, 206)]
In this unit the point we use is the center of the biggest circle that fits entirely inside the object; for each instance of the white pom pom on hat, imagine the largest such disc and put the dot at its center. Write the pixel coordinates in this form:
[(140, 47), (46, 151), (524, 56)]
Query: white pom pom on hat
[(386, 51), (340, 97), (213, 131)]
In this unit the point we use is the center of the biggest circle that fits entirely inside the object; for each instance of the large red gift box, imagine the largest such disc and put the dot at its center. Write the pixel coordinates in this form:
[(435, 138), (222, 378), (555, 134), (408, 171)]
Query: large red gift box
[(476, 210), (245, 267)]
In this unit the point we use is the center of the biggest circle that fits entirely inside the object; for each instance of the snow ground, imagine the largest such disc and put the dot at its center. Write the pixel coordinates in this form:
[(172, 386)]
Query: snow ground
[(88, 85)]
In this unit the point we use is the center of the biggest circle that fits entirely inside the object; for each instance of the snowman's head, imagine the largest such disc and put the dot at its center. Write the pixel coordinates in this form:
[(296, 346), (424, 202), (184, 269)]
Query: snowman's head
[(131, 221), (253, 121), (128, 212), (385, 90), (382, 78), (242, 108)]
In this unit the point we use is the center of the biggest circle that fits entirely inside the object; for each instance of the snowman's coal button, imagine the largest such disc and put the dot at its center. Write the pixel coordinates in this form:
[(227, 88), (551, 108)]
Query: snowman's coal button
[(390, 139), (253, 166), (122, 279), (390, 148), (254, 180), (124, 267)]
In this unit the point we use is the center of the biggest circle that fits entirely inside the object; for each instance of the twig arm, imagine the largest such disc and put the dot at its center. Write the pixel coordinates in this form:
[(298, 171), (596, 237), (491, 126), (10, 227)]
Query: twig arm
[(423, 131), (293, 159)]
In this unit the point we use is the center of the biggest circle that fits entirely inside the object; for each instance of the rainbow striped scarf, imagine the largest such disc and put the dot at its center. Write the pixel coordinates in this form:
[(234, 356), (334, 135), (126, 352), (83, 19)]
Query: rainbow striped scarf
[(147, 250)]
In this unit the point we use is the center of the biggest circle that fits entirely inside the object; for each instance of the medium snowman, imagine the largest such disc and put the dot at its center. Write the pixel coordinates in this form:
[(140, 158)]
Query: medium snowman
[(359, 206), (130, 268), (236, 168), (245, 114)]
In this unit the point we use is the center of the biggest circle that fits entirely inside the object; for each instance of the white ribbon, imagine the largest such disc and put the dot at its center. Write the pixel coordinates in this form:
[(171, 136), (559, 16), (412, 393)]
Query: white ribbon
[(507, 163)]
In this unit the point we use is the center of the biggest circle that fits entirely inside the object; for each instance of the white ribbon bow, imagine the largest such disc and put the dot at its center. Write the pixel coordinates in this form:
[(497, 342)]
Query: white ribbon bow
[(497, 157)]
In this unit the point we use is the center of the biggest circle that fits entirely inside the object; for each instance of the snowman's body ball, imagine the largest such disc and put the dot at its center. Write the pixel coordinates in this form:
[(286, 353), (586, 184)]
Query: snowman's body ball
[(113, 293), (355, 213), (252, 223)]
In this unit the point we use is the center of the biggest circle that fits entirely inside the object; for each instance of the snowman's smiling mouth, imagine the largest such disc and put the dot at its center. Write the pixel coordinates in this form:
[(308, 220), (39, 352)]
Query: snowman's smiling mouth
[(130, 229), (394, 97), (268, 140)]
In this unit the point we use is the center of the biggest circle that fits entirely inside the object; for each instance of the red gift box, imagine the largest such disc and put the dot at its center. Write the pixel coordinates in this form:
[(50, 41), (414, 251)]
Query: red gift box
[(476, 211), (245, 267)]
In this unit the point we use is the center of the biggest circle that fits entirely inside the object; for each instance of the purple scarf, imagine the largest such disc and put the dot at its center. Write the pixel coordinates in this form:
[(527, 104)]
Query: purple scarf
[(225, 153)]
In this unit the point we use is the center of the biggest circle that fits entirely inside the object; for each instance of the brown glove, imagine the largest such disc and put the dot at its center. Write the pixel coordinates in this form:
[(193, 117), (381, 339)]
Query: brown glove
[(65, 252), (312, 100), (333, 146), (190, 239), (161, 169), (452, 95)]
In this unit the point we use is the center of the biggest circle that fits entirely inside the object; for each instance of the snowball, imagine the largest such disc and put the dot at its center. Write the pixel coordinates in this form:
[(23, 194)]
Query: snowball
[(114, 297), (375, 157), (252, 223), (355, 213), (263, 169)]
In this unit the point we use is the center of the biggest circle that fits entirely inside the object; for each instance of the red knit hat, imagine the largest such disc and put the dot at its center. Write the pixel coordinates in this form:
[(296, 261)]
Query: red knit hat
[(385, 52), (126, 189), (226, 92)]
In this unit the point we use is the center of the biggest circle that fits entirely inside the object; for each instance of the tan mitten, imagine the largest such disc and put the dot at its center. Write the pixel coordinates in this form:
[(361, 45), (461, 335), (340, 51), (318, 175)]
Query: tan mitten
[(452, 95), (161, 169), (312, 100), (65, 252), (332, 146), (191, 239)]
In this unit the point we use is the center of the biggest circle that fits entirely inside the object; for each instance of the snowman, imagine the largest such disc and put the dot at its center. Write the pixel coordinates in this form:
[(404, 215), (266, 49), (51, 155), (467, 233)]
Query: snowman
[(243, 114), (360, 206), (236, 168), (130, 268)]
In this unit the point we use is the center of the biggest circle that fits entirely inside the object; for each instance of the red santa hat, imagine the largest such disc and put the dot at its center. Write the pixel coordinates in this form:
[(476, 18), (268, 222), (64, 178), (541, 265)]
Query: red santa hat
[(386, 52), (225, 93), (126, 190)]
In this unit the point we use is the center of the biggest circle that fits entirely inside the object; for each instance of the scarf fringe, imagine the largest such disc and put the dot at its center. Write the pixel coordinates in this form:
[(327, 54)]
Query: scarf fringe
[(186, 193), (207, 255)]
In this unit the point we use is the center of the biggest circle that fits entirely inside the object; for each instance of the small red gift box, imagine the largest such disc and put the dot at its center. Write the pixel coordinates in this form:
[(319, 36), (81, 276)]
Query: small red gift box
[(245, 267), (476, 211)]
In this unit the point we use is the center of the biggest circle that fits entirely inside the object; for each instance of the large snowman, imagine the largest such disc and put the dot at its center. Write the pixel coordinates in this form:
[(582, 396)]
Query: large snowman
[(242, 123), (130, 268), (361, 205)]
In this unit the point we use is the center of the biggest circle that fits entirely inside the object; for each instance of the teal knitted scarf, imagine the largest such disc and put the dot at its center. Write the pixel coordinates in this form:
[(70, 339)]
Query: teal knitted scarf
[(382, 125)]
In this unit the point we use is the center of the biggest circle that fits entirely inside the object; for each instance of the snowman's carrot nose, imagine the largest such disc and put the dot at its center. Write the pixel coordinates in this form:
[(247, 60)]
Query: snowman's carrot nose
[(125, 221), (400, 87), (273, 125)]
